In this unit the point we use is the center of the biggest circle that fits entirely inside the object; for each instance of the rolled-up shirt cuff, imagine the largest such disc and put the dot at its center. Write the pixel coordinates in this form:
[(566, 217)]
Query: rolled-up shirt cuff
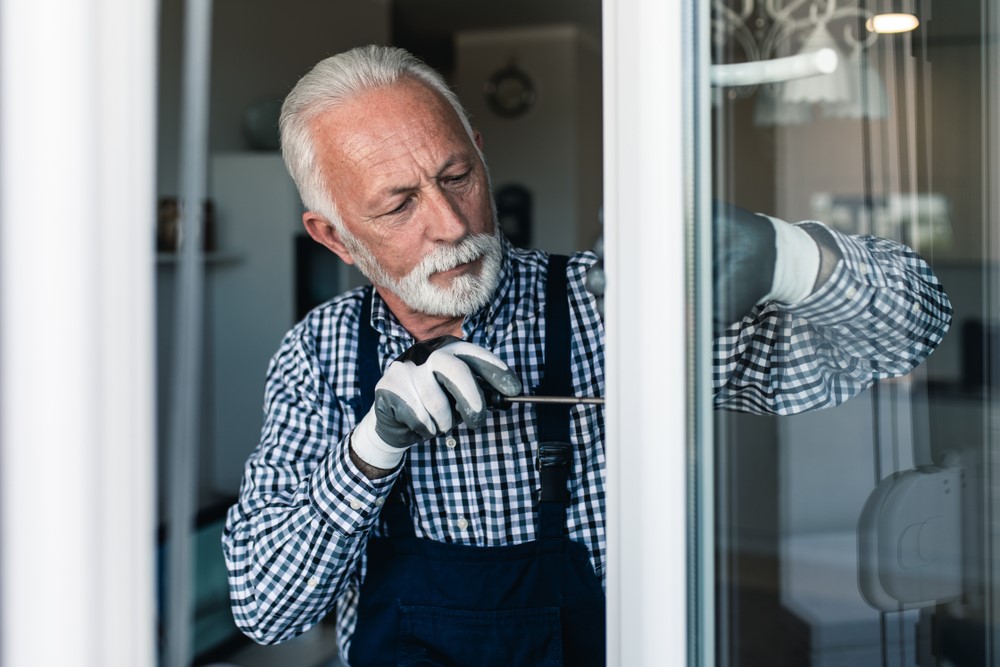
[(847, 294)]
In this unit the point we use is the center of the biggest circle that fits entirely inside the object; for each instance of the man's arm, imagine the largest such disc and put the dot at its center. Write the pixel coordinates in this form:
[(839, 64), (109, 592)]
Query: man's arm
[(314, 487), (805, 317), (294, 540), (878, 314)]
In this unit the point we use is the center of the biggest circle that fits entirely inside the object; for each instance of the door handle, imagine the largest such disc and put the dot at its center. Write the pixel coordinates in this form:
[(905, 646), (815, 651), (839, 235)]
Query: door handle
[(814, 63)]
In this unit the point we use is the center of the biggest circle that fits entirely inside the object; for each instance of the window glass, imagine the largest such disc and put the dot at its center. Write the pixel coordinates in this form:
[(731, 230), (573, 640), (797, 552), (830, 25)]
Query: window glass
[(863, 533)]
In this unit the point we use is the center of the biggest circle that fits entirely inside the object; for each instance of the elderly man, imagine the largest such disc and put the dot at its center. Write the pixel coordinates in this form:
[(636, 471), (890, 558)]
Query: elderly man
[(385, 487)]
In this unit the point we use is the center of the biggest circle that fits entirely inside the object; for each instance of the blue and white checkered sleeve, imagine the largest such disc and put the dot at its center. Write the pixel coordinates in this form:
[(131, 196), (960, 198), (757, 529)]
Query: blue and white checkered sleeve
[(879, 315), (293, 541)]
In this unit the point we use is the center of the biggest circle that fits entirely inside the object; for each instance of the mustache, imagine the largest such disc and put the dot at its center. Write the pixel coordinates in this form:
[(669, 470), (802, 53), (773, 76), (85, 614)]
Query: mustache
[(447, 257)]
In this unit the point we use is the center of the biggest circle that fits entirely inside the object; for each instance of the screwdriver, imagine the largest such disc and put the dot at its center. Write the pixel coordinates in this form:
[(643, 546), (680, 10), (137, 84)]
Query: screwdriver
[(495, 399), (572, 400)]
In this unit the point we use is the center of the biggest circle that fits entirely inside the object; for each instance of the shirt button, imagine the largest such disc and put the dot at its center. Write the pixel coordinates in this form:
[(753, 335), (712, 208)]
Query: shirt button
[(851, 293), (916, 308), (313, 582), (864, 269), (355, 504), (462, 523), (379, 502), (450, 442)]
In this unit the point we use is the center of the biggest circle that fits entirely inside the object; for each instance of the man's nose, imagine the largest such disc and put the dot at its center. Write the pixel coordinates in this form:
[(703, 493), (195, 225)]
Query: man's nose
[(446, 221)]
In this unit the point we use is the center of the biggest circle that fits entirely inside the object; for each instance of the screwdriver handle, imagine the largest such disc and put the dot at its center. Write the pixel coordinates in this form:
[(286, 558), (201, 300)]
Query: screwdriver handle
[(494, 399)]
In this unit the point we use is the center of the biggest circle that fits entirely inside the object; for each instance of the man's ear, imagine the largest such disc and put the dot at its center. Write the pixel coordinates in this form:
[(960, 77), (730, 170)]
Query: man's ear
[(477, 136), (324, 233)]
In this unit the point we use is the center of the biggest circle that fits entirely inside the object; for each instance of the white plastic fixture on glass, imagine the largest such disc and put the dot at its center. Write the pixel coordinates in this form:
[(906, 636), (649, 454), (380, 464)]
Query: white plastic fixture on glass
[(833, 87), (771, 110), (775, 70)]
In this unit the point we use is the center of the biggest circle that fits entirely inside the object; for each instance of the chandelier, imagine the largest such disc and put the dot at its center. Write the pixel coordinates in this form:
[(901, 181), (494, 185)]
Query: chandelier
[(800, 57)]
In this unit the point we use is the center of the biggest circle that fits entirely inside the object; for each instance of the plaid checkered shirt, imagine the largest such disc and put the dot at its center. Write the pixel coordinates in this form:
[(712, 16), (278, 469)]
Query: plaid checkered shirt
[(295, 541)]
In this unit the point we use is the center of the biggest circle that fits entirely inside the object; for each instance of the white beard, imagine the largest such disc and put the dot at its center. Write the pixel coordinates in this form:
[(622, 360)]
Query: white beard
[(465, 295)]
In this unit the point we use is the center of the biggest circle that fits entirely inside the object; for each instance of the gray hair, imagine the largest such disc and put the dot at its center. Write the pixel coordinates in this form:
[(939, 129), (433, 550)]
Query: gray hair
[(332, 82)]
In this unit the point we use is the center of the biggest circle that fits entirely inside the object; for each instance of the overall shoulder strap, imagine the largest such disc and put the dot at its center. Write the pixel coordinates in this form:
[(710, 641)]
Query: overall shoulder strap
[(556, 379), (394, 513), (555, 454), (369, 371)]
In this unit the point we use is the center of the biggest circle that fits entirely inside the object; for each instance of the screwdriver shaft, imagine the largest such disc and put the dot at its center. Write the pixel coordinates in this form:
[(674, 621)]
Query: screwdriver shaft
[(572, 400)]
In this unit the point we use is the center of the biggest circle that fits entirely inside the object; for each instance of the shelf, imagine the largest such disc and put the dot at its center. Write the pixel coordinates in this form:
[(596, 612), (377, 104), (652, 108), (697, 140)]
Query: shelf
[(214, 258)]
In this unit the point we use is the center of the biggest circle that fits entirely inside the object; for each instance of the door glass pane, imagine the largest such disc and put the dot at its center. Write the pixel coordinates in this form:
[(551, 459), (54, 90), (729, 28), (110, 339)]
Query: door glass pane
[(858, 525)]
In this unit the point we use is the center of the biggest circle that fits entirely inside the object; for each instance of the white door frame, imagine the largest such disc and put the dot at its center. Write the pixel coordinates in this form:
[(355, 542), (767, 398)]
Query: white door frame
[(647, 324), (77, 201)]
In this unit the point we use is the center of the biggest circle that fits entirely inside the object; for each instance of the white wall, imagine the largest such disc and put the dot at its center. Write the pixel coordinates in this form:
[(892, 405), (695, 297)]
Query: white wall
[(250, 298), (252, 301), (554, 149)]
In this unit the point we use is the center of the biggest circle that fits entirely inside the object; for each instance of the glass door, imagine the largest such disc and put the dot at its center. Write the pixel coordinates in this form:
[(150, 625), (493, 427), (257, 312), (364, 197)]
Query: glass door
[(851, 505)]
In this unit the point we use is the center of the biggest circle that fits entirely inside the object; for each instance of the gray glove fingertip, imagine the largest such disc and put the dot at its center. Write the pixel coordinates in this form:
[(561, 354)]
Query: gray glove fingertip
[(503, 379)]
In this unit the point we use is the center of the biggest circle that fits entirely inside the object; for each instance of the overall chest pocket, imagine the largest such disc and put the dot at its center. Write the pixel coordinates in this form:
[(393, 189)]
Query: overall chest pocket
[(439, 637)]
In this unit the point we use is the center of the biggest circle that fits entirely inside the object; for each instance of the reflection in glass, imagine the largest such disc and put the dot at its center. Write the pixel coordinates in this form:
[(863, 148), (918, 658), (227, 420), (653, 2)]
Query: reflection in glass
[(864, 534)]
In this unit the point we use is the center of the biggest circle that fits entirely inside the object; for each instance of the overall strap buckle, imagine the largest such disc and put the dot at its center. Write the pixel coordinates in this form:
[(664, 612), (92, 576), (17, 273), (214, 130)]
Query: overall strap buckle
[(553, 464)]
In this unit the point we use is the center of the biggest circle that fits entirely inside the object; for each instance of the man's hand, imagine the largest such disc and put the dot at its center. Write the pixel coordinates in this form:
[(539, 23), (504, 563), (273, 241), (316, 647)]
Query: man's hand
[(596, 279), (756, 259), (421, 392), (743, 256)]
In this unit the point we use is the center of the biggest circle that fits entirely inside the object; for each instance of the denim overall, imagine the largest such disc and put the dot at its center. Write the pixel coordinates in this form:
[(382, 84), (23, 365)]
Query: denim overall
[(436, 604)]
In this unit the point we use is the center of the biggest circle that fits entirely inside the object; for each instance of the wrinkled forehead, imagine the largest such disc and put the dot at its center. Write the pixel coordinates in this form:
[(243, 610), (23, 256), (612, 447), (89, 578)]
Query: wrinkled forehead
[(388, 120)]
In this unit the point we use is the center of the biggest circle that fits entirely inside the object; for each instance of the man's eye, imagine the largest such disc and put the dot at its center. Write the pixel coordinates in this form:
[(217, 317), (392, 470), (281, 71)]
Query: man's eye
[(402, 207), (457, 178)]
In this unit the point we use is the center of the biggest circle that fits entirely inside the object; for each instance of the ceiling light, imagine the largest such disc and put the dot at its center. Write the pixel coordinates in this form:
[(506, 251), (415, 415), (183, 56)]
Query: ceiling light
[(892, 23)]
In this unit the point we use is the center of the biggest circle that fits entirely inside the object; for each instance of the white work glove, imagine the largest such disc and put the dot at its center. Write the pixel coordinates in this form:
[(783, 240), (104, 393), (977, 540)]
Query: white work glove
[(420, 393), (796, 265)]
